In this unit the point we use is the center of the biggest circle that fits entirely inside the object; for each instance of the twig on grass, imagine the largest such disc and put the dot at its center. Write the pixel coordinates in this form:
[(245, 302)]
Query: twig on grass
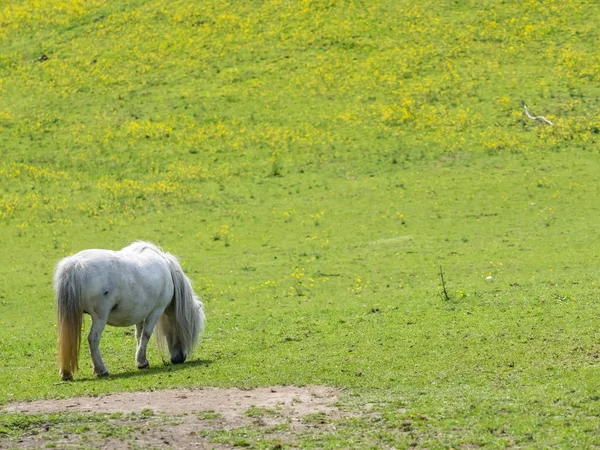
[(445, 296), (531, 116)]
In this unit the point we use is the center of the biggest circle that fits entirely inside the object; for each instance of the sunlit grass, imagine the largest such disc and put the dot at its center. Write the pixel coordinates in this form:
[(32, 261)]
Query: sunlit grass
[(313, 164)]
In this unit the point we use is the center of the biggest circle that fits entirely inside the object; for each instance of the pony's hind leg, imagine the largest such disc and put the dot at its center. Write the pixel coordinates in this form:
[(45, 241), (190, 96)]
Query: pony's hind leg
[(147, 327), (94, 336)]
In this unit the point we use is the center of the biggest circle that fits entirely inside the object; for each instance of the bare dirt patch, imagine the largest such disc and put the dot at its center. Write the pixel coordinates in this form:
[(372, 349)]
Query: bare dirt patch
[(189, 418)]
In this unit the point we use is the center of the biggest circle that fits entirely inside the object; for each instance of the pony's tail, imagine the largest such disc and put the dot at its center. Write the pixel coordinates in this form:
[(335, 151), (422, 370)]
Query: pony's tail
[(68, 291), (189, 313)]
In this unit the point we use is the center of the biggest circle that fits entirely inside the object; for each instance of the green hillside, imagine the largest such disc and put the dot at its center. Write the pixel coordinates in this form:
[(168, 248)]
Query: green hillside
[(313, 164)]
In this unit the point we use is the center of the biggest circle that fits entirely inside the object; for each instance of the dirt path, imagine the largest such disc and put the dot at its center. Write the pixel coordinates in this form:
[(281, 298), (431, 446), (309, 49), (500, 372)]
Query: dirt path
[(184, 418)]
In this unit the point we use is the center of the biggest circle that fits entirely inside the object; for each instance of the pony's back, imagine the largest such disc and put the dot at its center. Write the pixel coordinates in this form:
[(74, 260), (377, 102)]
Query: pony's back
[(140, 246)]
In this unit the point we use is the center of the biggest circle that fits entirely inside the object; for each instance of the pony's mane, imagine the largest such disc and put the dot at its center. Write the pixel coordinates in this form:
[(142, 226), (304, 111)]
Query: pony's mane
[(140, 246)]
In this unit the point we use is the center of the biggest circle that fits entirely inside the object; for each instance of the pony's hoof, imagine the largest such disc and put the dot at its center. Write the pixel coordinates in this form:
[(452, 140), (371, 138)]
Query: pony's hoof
[(144, 366), (102, 374), (67, 376)]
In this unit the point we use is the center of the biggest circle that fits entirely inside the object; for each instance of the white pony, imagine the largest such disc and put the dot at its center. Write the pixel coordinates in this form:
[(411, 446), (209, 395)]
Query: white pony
[(139, 285)]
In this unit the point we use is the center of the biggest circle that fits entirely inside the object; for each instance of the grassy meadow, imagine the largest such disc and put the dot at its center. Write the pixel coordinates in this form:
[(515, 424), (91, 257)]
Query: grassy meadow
[(313, 163)]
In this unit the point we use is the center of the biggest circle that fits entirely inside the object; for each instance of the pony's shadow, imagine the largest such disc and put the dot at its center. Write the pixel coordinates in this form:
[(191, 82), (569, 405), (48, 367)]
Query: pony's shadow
[(161, 369)]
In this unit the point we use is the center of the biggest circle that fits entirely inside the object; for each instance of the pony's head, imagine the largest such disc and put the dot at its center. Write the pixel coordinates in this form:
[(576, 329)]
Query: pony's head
[(167, 333), (181, 341), (176, 352), (183, 320)]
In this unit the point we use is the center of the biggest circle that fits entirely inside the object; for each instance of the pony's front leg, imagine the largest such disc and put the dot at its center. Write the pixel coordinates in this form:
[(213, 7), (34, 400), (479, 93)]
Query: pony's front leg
[(94, 341), (144, 331), (138, 333), (139, 358)]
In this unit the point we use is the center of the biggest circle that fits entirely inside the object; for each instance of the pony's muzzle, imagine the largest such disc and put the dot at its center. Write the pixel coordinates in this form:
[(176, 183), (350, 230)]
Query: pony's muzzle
[(179, 358)]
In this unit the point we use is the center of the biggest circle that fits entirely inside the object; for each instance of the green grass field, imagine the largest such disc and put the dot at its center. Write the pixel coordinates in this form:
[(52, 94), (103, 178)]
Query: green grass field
[(313, 163)]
